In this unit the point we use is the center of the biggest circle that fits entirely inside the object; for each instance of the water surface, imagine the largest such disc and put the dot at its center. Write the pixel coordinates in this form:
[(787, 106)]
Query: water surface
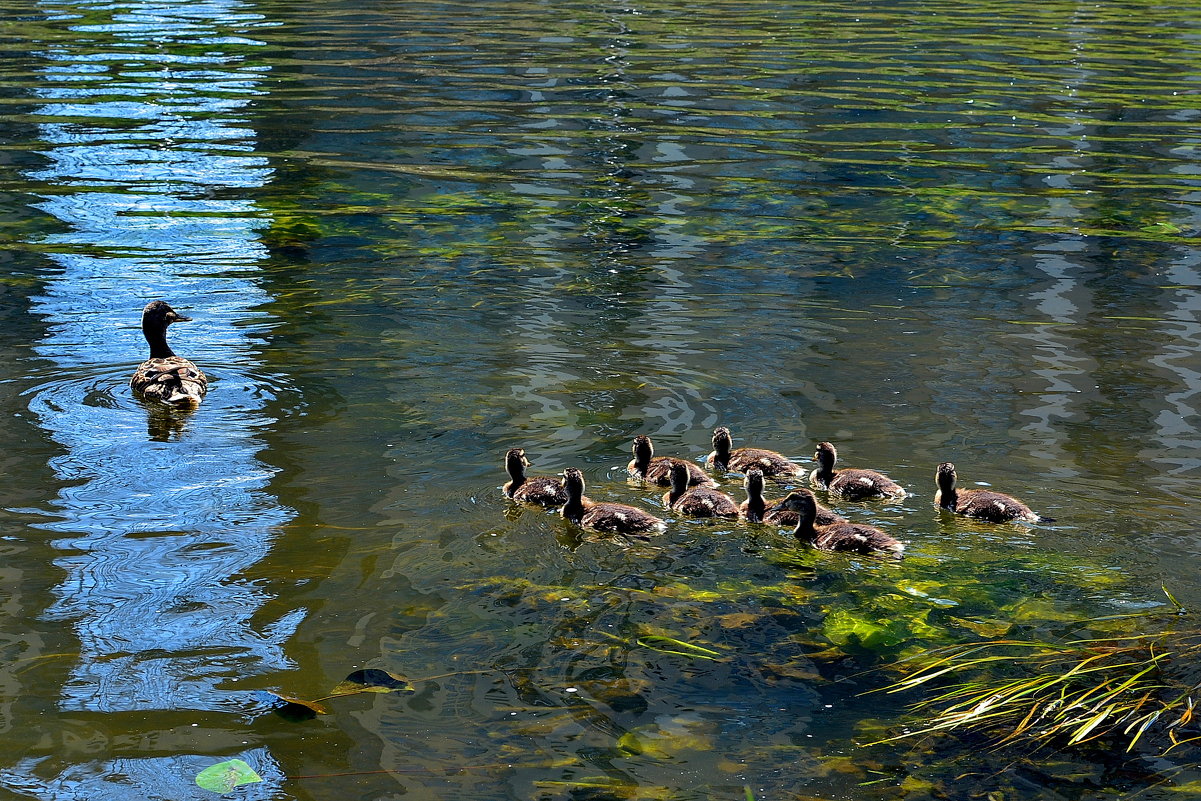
[(415, 235)]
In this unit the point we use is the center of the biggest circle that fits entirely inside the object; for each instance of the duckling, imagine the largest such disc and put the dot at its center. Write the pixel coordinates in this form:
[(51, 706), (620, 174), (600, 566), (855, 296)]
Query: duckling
[(657, 469), (996, 507), (852, 484), (164, 376), (742, 459), (542, 490), (842, 536), (754, 508), (698, 502), (607, 518)]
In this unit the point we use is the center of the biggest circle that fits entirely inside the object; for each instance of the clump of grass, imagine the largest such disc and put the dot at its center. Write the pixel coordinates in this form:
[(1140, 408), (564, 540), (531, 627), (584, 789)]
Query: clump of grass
[(1060, 694)]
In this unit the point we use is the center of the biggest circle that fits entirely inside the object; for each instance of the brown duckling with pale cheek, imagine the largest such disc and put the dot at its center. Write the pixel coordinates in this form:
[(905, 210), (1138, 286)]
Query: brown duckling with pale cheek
[(166, 377), (996, 507), (844, 536), (657, 469), (740, 460), (607, 518), (755, 509), (851, 484), (542, 490), (699, 501)]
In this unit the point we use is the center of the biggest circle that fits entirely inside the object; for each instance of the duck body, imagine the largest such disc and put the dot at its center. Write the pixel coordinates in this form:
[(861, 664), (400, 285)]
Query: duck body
[(607, 518), (995, 507), (851, 484), (840, 536), (657, 469), (740, 460), (698, 501), (757, 509), (165, 377), (540, 490)]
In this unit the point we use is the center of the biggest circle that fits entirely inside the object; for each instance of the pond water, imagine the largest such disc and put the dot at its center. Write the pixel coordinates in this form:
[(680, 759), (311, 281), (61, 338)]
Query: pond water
[(414, 235)]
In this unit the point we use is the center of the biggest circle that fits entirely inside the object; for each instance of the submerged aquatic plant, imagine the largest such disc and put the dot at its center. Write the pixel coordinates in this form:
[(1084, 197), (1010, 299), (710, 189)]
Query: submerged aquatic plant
[(1061, 694)]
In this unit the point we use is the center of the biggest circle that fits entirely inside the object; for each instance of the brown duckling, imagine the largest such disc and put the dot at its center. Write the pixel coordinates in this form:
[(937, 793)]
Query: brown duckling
[(851, 484), (996, 507), (755, 509), (740, 460), (657, 469), (542, 490), (607, 518), (697, 502), (842, 536), (164, 376)]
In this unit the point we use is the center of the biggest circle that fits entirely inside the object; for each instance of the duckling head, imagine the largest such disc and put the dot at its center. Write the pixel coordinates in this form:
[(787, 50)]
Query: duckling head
[(753, 483), (573, 482), (643, 449), (722, 439), (945, 476), (826, 455), (679, 478), (800, 501), (516, 463)]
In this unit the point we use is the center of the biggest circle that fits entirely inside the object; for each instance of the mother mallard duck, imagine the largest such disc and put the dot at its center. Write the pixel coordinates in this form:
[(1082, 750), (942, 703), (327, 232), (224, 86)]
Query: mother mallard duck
[(164, 376)]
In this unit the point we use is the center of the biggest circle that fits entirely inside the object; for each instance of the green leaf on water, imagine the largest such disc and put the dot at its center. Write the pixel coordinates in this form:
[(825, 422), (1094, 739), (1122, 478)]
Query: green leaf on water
[(225, 776), (1162, 228)]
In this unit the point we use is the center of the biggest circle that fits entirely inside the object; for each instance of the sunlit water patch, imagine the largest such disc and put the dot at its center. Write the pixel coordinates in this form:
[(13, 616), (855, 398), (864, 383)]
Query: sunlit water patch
[(163, 510)]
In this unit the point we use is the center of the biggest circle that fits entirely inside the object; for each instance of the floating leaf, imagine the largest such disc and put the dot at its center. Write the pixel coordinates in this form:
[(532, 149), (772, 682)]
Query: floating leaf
[(297, 708), (1162, 228), (372, 680), (225, 776)]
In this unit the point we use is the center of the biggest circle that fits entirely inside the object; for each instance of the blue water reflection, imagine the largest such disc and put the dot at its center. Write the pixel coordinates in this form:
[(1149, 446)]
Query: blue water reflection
[(163, 512)]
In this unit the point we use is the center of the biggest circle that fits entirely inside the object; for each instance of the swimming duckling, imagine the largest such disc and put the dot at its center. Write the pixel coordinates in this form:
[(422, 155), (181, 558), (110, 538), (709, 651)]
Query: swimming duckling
[(164, 376), (542, 490), (996, 507), (755, 509), (852, 484), (657, 469), (608, 518), (743, 459), (842, 536), (697, 502)]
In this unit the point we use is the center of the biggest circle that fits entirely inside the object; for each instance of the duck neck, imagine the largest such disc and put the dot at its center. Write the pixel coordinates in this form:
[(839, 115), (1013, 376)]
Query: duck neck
[(679, 485), (947, 494), (516, 472), (721, 452), (756, 506), (825, 468), (805, 531), (573, 510), (156, 338), (642, 459)]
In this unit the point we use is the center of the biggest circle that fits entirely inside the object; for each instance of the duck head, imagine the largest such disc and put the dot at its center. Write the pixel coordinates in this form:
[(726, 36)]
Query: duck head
[(516, 463), (945, 477), (826, 456), (157, 315)]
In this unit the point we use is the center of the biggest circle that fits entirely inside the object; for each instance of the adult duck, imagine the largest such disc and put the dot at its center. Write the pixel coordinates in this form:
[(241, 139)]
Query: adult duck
[(740, 460), (541, 490), (844, 536), (756, 509), (657, 469), (851, 484), (698, 501), (164, 376), (995, 507), (607, 518)]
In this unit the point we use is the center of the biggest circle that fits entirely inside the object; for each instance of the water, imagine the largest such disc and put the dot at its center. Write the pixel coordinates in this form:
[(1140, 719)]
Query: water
[(415, 235)]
